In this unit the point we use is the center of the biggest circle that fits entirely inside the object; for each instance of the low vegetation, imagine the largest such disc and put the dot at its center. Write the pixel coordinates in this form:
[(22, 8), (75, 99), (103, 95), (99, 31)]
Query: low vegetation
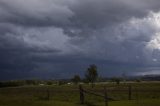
[(143, 94), (125, 92)]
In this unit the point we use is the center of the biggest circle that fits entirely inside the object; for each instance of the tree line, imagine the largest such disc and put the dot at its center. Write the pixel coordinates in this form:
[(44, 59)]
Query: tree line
[(91, 75)]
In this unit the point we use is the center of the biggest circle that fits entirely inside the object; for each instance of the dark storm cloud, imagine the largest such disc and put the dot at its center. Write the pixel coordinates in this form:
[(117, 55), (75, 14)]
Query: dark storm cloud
[(51, 38), (34, 12), (89, 13)]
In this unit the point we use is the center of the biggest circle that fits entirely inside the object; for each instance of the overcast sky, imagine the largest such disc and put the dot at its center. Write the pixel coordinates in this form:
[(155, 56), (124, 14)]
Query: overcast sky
[(59, 38)]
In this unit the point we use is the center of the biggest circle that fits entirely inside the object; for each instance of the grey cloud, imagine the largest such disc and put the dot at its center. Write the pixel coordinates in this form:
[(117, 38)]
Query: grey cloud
[(54, 36), (125, 42), (73, 13), (34, 13), (93, 14)]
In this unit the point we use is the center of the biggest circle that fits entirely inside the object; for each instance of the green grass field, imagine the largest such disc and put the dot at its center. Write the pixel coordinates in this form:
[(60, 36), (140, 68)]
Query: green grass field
[(143, 94)]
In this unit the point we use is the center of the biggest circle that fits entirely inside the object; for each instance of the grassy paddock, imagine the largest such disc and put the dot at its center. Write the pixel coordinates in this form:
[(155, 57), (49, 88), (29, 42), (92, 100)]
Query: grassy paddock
[(143, 94)]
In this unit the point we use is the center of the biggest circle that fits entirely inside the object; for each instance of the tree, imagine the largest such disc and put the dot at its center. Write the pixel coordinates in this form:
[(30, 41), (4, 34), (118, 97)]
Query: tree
[(117, 80), (76, 79), (91, 74)]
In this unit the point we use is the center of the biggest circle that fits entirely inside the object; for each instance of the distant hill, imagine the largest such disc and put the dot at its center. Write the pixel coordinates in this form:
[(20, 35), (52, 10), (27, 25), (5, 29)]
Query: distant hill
[(151, 77)]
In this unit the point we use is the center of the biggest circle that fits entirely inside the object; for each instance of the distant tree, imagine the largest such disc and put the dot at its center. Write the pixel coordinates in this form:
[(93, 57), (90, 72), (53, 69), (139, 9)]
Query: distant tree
[(30, 82), (117, 80), (138, 80), (49, 82), (61, 82), (76, 79), (91, 74), (124, 76)]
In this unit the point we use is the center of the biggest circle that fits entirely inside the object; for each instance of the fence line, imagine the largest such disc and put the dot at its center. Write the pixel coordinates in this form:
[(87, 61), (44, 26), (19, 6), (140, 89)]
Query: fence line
[(129, 92), (105, 96)]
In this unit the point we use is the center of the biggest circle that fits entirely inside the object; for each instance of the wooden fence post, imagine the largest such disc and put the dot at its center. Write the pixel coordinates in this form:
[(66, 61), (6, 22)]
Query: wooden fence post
[(81, 94), (105, 96), (129, 92), (48, 95)]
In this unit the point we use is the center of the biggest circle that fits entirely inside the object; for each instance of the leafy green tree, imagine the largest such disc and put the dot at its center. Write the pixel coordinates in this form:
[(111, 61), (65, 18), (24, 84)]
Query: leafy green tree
[(76, 79), (91, 74)]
